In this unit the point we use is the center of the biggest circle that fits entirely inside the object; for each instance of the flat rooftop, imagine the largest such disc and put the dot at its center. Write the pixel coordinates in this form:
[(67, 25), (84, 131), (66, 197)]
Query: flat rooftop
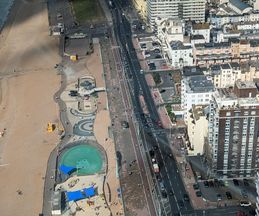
[(200, 84), (245, 84)]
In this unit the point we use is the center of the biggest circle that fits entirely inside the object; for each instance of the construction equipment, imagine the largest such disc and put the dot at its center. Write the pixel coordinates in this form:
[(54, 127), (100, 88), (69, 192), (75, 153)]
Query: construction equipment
[(73, 58), (51, 127)]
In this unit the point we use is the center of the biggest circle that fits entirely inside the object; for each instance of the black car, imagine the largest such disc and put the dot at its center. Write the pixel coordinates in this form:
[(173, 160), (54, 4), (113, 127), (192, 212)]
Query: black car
[(198, 193), (125, 124), (164, 194), (206, 184), (180, 203), (186, 197), (195, 186), (246, 182), (155, 147), (235, 181), (221, 183), (151, 153), (228, 195)]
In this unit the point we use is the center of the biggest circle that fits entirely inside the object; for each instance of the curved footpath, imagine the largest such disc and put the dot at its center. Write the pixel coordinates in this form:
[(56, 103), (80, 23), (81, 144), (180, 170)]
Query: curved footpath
[(50, 177)]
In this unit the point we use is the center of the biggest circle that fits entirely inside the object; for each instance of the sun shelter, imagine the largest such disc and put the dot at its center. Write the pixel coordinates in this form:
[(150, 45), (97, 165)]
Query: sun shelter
[(89, 192), (67, 169), (75, 195), (80, 194)]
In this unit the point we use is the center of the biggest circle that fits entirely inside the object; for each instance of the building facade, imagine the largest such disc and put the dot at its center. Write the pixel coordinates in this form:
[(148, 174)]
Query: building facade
[(195, 90), (197, 128), (234, 131), (184, 9)]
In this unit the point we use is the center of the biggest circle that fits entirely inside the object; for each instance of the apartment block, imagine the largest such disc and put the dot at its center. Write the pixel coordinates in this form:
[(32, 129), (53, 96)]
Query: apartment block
[(234, 131), (179, 54), (233, 51), (195, 90), (184, 9)]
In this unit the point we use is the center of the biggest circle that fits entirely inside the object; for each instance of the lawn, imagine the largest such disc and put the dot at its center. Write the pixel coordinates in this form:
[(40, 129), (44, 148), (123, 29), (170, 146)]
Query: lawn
[(87, 11)]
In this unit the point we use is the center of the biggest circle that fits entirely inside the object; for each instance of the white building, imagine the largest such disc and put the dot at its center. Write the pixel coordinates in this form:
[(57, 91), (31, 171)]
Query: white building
[(169, 29), (183, 9), (218, 21), (225, 75), (202, 29), (197, 128), (239, 7), (195, 90), (255, 4), (179, 54)]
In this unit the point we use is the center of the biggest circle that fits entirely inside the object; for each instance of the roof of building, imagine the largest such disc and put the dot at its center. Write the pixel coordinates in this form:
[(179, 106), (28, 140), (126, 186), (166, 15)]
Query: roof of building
[(200, 84), (234, 65), (192, 71), (178, 45), (245, 84), (197, 37), (215, 69), (199, 26), (225, 66), (239, 4), (198, 111)]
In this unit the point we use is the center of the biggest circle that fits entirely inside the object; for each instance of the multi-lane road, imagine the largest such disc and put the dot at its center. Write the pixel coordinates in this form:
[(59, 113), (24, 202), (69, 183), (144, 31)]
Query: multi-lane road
[(168, 167)]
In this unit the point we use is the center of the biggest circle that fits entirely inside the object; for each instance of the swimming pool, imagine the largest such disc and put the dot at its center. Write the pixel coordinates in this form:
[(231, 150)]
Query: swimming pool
[(87, 159)]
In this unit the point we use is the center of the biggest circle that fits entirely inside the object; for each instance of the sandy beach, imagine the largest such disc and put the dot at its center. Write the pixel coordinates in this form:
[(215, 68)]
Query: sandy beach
[(28, 81)]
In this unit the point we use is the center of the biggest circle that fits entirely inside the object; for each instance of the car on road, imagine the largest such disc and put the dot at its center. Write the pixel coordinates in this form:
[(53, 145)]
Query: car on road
[(180, 203), (221, 183), (211, 184), (245, 203), (228, 195), (235, 181), (186, 198), (198, 193), (171, 193), (125, 124), (155, 147), (161, 184), (141, 71), (164, 194), (162, 90)]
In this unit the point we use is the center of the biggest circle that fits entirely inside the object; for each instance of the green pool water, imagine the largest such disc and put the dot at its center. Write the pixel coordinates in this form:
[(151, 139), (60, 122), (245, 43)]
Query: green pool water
[(87, 159)]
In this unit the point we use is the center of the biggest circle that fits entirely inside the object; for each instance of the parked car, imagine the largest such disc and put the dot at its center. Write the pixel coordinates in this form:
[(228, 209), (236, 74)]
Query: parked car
[(221, 183), (198, 193), (164, 194), (219, 197), (228, 195), (195, 186), (244, 194), (206, 184), (246, 183), (245, 203), (235, 181), (211, 184)]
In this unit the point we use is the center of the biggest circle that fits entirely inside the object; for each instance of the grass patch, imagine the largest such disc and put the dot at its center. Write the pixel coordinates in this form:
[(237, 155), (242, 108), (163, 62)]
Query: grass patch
[(87, 11)]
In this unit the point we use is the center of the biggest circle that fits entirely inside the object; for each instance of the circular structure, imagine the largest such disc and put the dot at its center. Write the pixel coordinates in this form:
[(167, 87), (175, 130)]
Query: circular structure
[(86, 159), (84, 128)]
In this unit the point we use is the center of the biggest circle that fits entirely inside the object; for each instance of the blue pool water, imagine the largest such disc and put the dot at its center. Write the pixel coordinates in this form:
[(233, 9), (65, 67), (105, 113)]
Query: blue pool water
[(5, 6)]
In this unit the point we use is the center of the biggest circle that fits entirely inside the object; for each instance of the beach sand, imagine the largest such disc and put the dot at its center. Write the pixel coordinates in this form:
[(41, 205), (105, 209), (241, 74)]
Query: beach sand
[(28, 81)]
